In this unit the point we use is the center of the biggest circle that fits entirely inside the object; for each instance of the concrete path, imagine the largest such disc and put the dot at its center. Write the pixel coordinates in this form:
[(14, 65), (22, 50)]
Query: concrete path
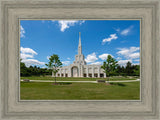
[(83, 81)]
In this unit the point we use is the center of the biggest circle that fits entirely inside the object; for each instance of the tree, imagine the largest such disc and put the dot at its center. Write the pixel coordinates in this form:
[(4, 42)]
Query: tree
[(109, 66), (54, 64), (23, 69), (136, 70), (129, 68), (118, 70)]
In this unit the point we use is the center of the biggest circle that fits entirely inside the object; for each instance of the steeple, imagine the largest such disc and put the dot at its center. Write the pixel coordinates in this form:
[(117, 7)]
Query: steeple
[(79, 46), (79, 59)]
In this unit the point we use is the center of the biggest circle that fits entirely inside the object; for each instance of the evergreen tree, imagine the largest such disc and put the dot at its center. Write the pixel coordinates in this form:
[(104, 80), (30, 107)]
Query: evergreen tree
[(129, 69), (109, 66), (136, 70)]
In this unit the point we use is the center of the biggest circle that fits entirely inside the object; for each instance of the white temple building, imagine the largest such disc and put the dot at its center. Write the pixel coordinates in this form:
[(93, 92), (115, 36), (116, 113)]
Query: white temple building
[(79, 68)]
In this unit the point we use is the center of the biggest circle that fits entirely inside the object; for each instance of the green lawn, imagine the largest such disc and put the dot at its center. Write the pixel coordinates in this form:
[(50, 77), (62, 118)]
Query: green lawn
[(79, 91), (78, 79)]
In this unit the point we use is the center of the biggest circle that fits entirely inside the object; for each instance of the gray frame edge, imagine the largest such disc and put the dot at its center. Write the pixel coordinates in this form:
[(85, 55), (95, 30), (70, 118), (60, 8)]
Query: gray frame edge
[(4, 67)]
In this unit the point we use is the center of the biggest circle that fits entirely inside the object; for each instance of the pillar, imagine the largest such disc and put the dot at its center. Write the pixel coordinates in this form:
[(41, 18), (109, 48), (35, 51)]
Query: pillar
[(82, 71), (87, 71), (104, 75), (60, 72), (64, 72), (98, 72), (92, 72), (70, 72)]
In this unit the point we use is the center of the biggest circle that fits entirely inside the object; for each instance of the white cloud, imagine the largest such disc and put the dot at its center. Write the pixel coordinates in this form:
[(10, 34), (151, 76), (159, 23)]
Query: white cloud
[(129, 53), (48, 57), (25, 56), (137, 60), (29, 62), (118, 29), (135, 63), (22, 32), (123, 62), (134, 55), (81, 22), (65, 24), (27, 50), (66, 62), (104, 56), (126, 31), (118, 58), (133, 49), (91, 58), (96, 63), (29, 53), (68, 58), (109, 39)]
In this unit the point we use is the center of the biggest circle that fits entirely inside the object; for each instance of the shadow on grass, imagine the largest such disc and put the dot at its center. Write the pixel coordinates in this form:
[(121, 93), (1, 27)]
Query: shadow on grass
[(25, 82), (53, 83), (119, 84), (62, 83)]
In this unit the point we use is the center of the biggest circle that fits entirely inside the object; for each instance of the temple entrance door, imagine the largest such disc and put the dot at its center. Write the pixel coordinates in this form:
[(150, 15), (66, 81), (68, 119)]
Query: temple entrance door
[(74, 71)]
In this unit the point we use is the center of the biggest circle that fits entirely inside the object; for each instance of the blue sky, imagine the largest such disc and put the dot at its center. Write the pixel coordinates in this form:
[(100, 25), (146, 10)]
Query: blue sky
[(39, 39)]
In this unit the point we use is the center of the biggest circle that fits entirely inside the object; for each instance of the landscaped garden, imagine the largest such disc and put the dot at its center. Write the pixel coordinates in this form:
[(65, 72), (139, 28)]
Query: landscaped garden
[(79, 91), (114, 78), (122, 83)]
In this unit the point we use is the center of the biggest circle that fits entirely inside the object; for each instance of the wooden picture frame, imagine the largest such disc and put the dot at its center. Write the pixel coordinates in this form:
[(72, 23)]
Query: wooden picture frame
[(13, 108)]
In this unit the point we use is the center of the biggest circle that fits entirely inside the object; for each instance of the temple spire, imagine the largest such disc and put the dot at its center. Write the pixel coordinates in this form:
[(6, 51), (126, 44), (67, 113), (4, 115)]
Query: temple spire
[(79, 46), (79, 38)]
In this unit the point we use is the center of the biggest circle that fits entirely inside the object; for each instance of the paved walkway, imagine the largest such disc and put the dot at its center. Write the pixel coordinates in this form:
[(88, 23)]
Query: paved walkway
[(83, 81)]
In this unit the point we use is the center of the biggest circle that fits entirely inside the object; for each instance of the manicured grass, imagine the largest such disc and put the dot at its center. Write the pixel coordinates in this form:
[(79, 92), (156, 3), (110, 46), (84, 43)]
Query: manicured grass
[(79, 91), (78, 79)]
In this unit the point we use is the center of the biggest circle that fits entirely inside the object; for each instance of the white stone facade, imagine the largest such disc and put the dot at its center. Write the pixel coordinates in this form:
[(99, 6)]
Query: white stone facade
[(79, 68)]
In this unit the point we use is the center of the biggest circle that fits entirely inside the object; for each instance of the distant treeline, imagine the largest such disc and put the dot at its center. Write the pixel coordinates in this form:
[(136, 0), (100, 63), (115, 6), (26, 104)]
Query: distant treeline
[(128, 70), (33, 71)]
